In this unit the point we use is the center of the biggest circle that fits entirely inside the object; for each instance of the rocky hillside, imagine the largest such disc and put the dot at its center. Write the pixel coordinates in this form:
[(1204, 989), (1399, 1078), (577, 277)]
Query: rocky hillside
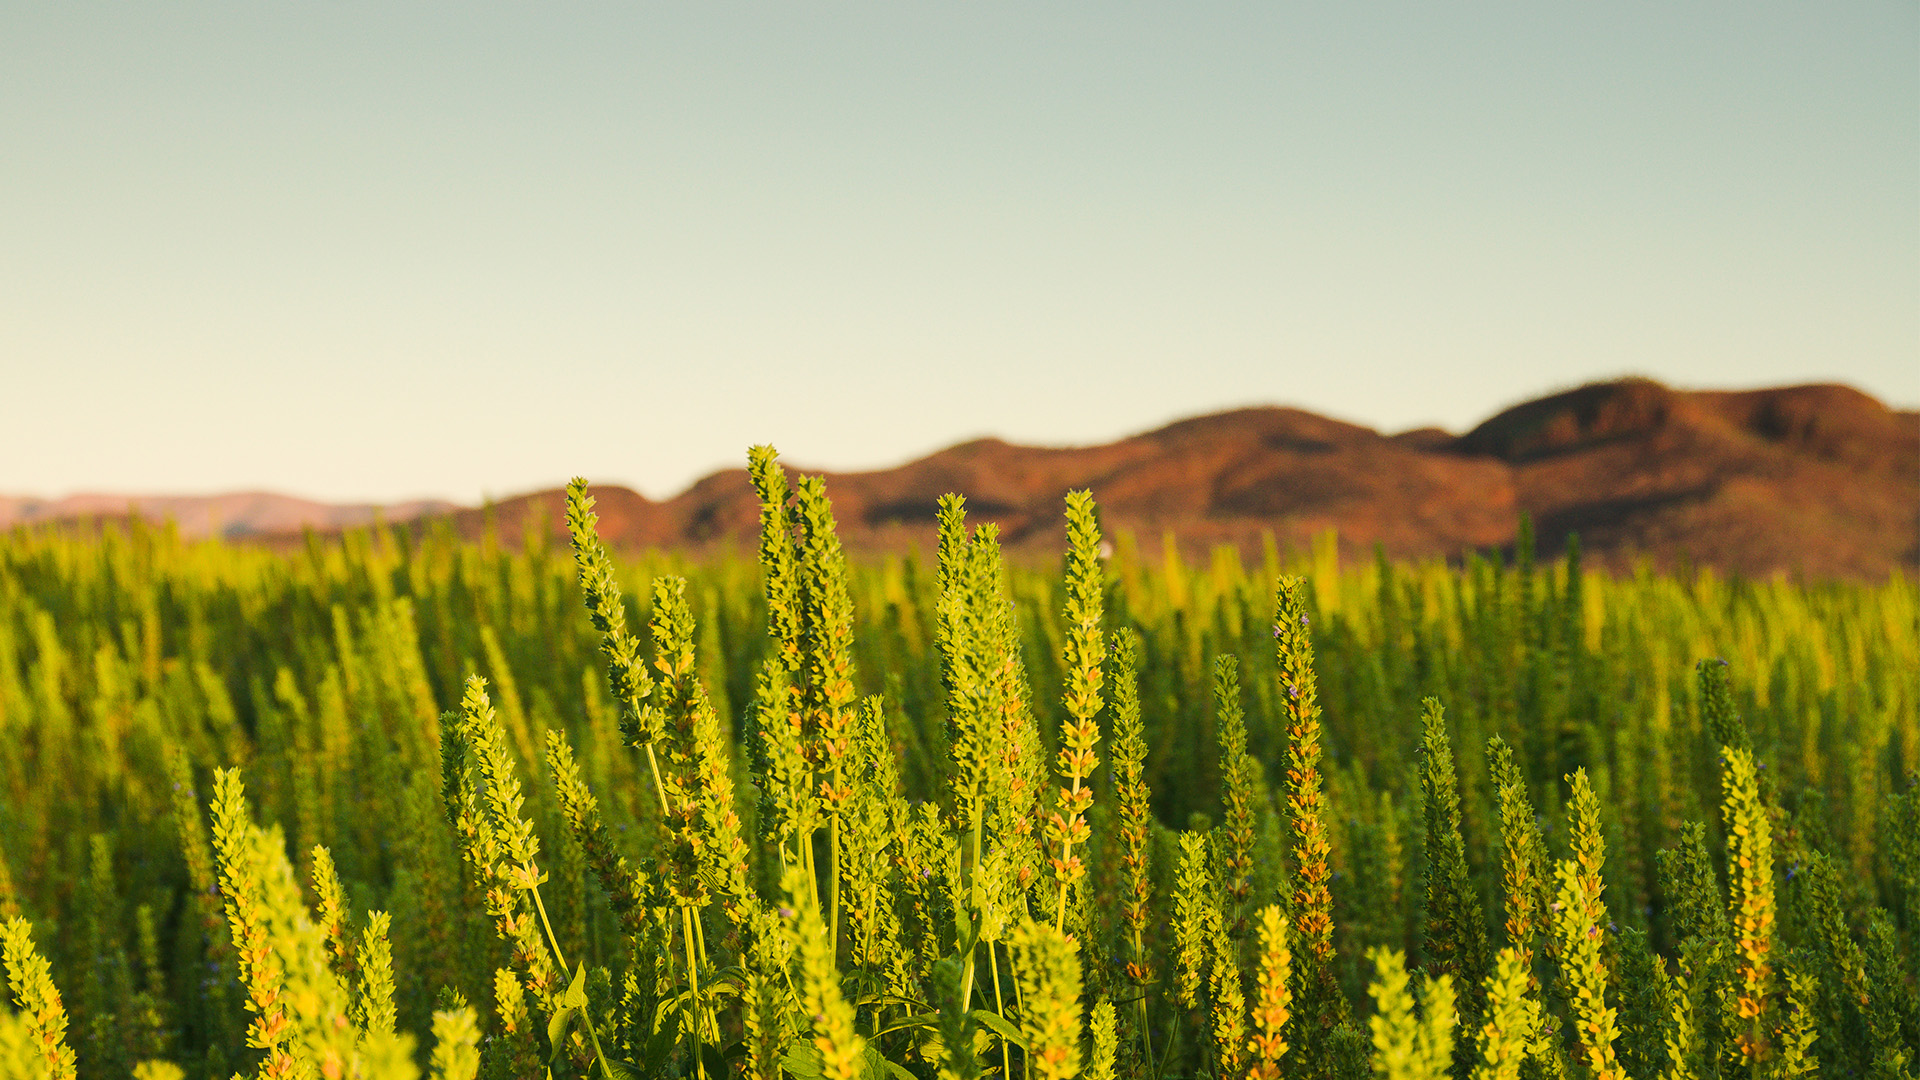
[(1821, 480)]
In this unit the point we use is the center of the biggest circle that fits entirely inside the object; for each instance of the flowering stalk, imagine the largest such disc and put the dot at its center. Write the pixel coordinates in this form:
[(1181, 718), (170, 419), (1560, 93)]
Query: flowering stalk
[(1750, 868), (1523, 856), (1133, 800), (1084, 653), (834, 1037), (1241, 789), (1512, 1018), (621, 882), (373, 1005), (1579, 922), (1106, 1042), (1273, 1008), (1456, 936), (456, 1045), (627, 676), (43, 1020), (1194, 916), (1047, 969), (331, 911), (1229, 999), (1405, 1046), (1323, 1003)]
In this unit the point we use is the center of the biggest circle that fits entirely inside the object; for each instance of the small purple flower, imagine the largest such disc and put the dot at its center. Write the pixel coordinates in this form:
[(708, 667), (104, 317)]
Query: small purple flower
[(1278, 630), (786, 913), (1303, 618)]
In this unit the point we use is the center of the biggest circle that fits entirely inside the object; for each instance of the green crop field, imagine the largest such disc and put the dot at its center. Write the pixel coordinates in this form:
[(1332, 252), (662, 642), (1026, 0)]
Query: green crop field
[(401, 804)]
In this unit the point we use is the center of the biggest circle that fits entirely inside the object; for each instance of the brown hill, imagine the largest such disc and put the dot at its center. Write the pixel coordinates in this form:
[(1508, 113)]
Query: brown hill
[(1820, 480)]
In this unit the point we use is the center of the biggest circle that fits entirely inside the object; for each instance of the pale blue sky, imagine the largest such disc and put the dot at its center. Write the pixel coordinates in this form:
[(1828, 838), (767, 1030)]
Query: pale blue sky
[(376, 250)]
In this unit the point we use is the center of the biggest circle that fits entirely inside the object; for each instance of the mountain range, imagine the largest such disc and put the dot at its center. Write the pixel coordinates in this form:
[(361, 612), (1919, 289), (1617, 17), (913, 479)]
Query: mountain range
[(1820, 480)]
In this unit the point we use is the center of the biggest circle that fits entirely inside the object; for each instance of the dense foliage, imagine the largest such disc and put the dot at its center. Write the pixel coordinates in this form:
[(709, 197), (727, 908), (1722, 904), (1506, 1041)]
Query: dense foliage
[(402, 803)]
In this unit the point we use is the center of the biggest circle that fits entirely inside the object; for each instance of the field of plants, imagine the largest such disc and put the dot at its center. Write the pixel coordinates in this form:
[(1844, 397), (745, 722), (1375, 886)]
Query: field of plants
[(401, 805)]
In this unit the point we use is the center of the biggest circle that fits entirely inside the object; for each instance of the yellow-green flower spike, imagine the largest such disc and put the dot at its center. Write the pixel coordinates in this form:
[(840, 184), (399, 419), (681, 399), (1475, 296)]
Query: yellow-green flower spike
[(1047, 968), (42, 1029), (1273, 1007)]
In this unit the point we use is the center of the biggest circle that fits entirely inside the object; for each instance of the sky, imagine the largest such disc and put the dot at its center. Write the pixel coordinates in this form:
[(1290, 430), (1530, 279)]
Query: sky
[(375, 251)]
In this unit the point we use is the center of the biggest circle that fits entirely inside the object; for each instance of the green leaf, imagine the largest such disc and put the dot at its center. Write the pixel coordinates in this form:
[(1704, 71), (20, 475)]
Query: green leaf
[(659, 1046), (999, 1025), (875, 1067), (964, 932), (571, 1003), (575, 996), (892, 1001), (917, 1020), (620, 1069), (802, 1060)]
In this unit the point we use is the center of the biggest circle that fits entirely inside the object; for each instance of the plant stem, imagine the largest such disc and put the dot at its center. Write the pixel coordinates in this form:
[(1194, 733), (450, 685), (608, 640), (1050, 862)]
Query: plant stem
[(1066, 849), (993, 965), (973, 884), (693, 989), (586, 1019), (833, 880)]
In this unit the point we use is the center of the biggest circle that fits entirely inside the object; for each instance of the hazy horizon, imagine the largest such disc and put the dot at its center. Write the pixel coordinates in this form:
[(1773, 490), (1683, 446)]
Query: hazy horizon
[(369, 253), (789, 460)]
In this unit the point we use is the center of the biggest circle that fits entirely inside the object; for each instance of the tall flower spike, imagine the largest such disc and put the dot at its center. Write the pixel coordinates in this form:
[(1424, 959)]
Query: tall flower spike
[(456, 1045), (374, 1002), (1194, 916), (777, 561), (973, 731), (1511, 1019), (1134, 801), (1456, 933), (501, 844), (1047, 970), (1229, 999), (1579, 922), (301, 1009), (627, 674), (1523, 855), (1322, 1003), (1274, 1006), (1083, 655), (788, 804), (44, 1016), (1750, 873), (1406, 1046), (1106, 1042), (624, 888), (1679, 1037), (331, 909), (1241, 774), (827, 642), (243, 885), (820, 996)]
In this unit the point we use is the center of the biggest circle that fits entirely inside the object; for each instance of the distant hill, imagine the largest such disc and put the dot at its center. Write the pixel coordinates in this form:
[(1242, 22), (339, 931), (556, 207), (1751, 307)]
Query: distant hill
[(238, 516), (1822, 480)]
